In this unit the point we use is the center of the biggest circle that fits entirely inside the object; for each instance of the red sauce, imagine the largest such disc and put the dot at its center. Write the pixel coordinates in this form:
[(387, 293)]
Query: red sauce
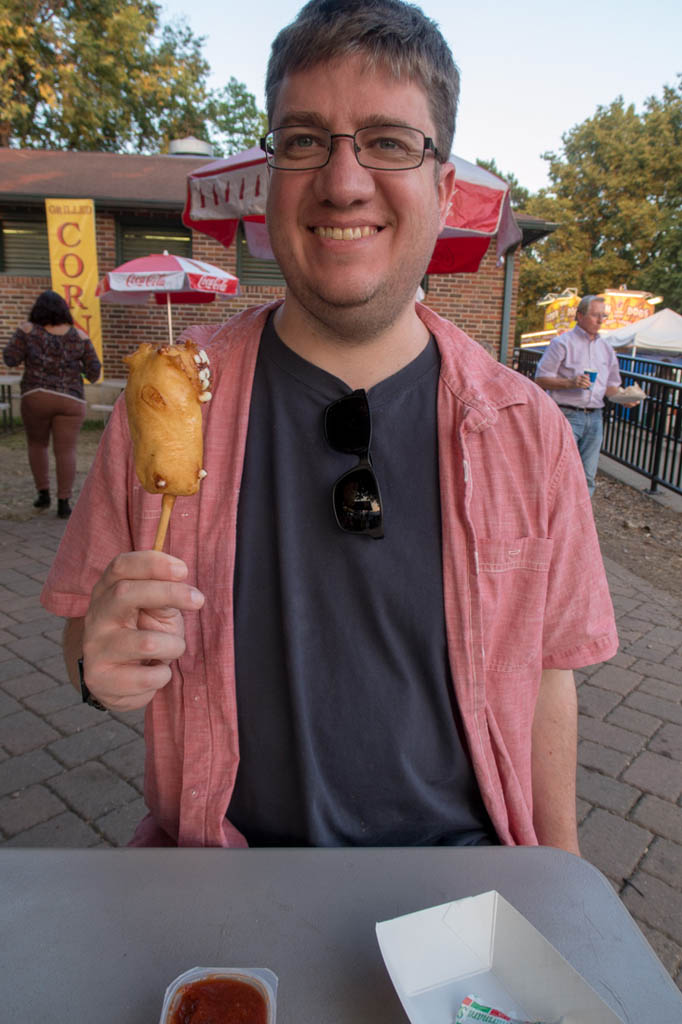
[(216, 1000)]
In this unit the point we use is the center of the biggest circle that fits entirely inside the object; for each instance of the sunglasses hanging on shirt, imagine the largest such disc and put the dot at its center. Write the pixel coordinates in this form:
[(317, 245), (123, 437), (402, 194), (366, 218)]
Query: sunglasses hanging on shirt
[(356, 497)]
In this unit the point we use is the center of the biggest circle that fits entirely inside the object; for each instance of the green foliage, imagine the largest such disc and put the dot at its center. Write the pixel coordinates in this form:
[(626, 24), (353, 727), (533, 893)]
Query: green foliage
[(107, 75), (616, 192), (238, 123)]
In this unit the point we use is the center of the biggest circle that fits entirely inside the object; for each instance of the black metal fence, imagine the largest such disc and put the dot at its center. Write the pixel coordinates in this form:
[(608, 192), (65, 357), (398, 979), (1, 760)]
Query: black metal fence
[(648, 438)]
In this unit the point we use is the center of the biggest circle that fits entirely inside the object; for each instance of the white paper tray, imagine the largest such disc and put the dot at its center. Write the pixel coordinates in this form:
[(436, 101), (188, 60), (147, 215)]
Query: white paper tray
[(483, 946)]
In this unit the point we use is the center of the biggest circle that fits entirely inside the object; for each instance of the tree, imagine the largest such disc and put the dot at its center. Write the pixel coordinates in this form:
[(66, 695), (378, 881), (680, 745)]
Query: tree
[(616, 191), (237, 121), (106, 75)]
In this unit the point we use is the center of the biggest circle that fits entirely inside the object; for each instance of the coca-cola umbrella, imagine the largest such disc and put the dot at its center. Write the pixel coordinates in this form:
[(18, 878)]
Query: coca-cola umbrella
[(223, 192), (169, 279)]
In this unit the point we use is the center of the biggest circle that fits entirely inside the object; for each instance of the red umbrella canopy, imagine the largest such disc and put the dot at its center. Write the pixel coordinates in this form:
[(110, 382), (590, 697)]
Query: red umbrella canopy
[(223, 192), (168, 278)]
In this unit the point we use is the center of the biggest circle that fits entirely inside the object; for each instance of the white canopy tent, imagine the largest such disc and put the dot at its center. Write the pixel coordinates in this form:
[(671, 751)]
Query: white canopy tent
[(661, 332)]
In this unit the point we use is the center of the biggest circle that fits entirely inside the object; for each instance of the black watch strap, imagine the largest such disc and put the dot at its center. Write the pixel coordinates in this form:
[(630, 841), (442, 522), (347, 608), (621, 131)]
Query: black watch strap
[(86, 696)]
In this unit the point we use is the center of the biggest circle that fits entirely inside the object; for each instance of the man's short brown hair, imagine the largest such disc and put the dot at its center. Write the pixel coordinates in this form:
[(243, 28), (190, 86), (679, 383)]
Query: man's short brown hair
[(390, 34)]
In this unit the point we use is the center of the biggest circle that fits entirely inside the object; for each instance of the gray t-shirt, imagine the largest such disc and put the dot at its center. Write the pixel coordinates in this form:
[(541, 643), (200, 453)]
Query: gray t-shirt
[(348, 730)]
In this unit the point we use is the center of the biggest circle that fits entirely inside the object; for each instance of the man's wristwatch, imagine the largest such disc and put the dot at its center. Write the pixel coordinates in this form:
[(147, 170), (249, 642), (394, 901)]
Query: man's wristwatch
[(86, 696)]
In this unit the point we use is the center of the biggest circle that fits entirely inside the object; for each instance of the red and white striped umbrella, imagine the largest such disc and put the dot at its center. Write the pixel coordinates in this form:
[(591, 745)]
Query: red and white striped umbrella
[(169, 279), (223, 192)]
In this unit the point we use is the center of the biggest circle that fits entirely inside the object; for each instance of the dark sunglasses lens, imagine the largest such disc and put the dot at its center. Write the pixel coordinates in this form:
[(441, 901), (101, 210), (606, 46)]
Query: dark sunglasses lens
[(357, 502), (347, 424)]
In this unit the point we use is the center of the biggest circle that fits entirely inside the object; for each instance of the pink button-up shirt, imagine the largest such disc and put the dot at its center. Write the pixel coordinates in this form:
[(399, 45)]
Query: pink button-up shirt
[(570, 354), (524, 586)]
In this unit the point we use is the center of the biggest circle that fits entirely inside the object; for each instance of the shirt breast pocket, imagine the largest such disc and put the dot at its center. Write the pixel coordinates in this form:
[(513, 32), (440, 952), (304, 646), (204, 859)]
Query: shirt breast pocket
[(513, 576)]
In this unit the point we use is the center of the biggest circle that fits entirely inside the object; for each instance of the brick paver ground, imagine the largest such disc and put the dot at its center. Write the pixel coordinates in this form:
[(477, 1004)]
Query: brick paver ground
[(70, 777)]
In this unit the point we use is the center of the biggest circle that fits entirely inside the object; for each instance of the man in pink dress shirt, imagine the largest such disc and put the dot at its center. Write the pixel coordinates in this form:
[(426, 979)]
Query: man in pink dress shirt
[(351, 670), (562, 372)]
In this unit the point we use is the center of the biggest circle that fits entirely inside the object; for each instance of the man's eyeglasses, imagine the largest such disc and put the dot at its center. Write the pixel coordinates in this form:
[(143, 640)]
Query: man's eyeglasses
[(355, 495), (384, 147)]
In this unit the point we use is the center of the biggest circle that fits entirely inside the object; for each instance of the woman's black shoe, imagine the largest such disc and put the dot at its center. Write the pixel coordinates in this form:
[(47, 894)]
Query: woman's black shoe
[(43, 500), (63, 508)]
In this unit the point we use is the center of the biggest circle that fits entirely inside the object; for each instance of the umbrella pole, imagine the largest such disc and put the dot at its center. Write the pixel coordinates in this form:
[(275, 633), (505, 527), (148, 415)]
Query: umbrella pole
[(170, 320)]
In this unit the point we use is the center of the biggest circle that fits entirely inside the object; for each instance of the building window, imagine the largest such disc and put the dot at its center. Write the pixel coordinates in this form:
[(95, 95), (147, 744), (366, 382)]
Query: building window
[(24, 247), (254, 271), (137, 238)]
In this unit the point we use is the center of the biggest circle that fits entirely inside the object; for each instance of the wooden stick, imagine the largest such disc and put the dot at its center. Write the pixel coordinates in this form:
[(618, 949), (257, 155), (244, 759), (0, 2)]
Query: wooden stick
[(167, 503), (170, 318)]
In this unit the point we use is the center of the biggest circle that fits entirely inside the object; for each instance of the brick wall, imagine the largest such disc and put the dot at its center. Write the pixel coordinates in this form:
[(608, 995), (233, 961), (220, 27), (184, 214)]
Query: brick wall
[(472, 301), (17, 295)]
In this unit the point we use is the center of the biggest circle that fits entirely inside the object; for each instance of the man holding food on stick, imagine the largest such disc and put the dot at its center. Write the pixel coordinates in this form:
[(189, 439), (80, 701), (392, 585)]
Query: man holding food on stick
[(361, 629)]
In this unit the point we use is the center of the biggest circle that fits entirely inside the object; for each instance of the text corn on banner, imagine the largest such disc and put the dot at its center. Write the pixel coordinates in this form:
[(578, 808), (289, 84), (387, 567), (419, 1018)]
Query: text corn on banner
[(73, 262)]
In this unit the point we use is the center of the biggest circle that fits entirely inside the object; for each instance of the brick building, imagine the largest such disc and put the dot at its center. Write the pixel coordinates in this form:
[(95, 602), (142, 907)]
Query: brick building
[(138, 204)]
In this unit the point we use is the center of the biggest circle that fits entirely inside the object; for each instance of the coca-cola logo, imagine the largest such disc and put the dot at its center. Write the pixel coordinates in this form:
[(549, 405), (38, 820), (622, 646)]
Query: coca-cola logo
[(145, 280), (211, 284)]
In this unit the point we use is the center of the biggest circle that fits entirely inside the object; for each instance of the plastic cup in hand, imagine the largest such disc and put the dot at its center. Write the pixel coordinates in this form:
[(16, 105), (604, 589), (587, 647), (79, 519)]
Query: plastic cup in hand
[(592, 374)]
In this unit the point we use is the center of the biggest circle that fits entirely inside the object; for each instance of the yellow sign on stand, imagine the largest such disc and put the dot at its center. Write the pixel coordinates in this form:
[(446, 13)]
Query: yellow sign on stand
[(73, 262), (560, 313), (622, 307), (626, 307)]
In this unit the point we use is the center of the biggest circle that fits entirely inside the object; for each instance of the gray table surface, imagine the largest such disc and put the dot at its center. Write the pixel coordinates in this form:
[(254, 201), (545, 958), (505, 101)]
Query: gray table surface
[(96, 935)]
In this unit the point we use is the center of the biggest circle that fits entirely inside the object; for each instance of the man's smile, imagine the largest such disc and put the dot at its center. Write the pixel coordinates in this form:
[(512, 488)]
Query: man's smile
[(345, 234)]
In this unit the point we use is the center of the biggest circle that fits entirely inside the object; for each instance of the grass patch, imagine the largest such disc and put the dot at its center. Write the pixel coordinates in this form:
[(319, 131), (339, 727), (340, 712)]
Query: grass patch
[(18, 425)]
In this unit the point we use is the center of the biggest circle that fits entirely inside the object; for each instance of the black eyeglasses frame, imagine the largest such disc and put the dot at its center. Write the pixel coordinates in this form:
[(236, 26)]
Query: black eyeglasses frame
[(429, 146)]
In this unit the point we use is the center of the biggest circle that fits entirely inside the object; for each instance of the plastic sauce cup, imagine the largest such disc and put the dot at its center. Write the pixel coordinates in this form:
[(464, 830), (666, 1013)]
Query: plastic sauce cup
[(262, 980)]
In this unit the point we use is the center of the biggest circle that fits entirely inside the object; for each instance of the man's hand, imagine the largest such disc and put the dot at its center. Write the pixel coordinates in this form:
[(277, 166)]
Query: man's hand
[(134, 628), (617, 390), (581, 380)]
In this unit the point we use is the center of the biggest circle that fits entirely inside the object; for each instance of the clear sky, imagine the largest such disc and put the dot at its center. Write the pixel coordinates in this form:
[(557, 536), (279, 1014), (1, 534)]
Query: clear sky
[(530, 71)]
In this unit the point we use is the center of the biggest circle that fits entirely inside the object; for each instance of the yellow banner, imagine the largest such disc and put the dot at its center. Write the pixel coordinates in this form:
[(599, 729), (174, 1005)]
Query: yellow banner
[(73, 262), (625, 308), (621, 307), (560, 313)]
